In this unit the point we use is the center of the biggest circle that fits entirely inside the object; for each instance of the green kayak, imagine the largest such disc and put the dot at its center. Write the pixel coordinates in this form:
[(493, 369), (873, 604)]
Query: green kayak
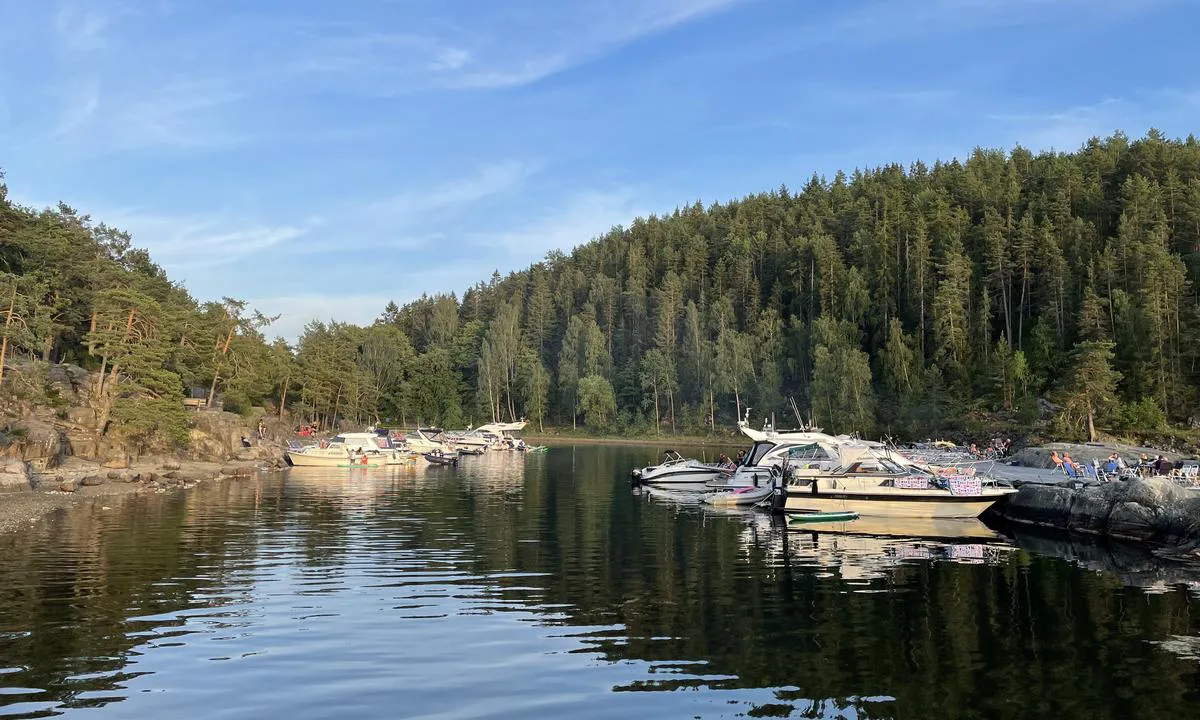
[(812, 517)]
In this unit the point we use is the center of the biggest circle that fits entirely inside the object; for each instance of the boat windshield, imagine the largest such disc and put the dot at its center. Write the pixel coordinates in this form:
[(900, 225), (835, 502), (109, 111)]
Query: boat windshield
[(758, 452), (809, 452), (876, 465)]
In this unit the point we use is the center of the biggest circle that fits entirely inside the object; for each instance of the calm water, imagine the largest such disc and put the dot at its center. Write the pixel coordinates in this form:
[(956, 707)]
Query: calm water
[(542, 586)]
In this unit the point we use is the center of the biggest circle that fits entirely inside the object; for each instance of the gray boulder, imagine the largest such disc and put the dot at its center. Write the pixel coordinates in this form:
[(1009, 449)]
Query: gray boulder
[(1154, 510), (1046, 505), (1089, 510), (14, 475), (1132, 521)]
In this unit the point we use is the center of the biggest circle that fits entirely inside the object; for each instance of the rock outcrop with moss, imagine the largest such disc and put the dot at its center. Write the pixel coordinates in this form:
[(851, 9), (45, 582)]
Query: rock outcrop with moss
[(63, 419)]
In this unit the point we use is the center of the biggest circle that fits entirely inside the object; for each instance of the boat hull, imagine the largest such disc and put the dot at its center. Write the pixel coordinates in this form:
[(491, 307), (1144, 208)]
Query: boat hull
[(894, 504), (435, 459), (681, 479), (740, 496), (823, 517), (305, 460)]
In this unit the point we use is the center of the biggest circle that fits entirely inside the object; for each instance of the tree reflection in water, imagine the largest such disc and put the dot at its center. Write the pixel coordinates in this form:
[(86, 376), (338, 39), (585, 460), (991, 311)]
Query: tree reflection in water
[(733, 611)]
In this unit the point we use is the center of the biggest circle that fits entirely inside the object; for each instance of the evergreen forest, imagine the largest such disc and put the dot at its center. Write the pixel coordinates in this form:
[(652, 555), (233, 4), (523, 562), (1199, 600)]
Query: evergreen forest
[(1004, 291)]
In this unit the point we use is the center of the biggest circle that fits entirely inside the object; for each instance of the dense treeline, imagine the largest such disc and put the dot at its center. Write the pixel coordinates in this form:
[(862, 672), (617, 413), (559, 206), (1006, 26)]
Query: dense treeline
[(900, 300), (897, 299)]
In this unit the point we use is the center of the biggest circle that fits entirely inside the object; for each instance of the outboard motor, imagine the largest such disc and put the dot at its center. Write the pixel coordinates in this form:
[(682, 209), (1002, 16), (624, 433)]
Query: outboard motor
[(779, 499)]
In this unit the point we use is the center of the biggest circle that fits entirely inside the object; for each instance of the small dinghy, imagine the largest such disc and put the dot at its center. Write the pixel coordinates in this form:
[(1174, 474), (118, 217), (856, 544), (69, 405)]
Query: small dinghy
[(748, 495), (818, 516), (440, 458)]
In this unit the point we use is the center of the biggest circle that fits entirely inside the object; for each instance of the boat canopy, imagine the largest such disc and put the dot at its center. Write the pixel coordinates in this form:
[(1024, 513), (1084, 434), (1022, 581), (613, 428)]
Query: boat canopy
[(863, 458)]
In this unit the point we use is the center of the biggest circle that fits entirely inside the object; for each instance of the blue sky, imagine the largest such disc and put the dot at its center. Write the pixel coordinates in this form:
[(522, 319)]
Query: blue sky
[(321, 158)]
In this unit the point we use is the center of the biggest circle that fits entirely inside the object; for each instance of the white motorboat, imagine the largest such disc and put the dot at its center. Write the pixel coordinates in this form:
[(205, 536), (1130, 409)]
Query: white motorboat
[(678, 472), (365, 449), (861, 478), (323, 455), (471, 441), (427, 440), (845, 474), (504, 436), (744, 495)]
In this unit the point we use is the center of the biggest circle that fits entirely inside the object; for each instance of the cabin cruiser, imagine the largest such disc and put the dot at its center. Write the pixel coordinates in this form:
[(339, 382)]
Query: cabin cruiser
[(845, 474), (363, 449), (505, 436), (472, 442), (858, 477), (679, 472), (426, 440)]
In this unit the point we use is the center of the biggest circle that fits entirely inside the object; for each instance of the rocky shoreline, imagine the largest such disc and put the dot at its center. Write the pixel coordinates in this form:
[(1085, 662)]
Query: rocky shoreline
[(56, 455), (1155, 511), (28, 494)]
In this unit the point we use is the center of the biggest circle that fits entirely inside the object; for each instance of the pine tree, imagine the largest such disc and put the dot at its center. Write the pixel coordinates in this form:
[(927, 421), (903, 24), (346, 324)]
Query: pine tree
[(1090, 390)]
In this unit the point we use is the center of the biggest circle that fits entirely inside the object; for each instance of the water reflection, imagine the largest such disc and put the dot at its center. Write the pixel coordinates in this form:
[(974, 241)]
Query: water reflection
[(1134, 565), (531, 586)]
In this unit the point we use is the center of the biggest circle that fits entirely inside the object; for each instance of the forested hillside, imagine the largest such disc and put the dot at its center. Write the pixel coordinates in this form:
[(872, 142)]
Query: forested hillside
[(899, 299)]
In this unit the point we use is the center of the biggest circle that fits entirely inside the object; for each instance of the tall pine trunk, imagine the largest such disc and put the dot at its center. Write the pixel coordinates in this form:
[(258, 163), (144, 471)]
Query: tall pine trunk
[(12, 304), (212, 390), (283, 393)]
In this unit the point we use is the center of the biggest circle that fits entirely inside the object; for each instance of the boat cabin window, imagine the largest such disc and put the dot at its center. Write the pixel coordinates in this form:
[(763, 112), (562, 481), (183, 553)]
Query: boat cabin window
[(864, 466), (801, 453), (876, 465), (757, 453)]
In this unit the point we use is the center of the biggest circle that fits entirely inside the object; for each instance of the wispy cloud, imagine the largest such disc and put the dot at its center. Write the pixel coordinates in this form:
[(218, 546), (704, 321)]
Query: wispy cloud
[(578, 219), (573, 220), (450, 58), (497, 47), (1066, 128), (81, 28), (887, 20), (296, 311), (187, 243), (181, 116), (489, 180)]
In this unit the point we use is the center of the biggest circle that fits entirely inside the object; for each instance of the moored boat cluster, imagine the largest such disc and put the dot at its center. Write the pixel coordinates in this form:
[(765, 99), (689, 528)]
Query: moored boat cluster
[(813, 476), (382, 447)]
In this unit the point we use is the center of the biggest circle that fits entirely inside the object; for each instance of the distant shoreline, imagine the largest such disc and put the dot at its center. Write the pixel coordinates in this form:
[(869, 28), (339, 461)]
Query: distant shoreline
[(666, 441)]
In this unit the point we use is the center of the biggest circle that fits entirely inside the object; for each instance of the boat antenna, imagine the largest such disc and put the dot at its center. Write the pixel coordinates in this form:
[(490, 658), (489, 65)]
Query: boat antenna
[(796, 412)]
